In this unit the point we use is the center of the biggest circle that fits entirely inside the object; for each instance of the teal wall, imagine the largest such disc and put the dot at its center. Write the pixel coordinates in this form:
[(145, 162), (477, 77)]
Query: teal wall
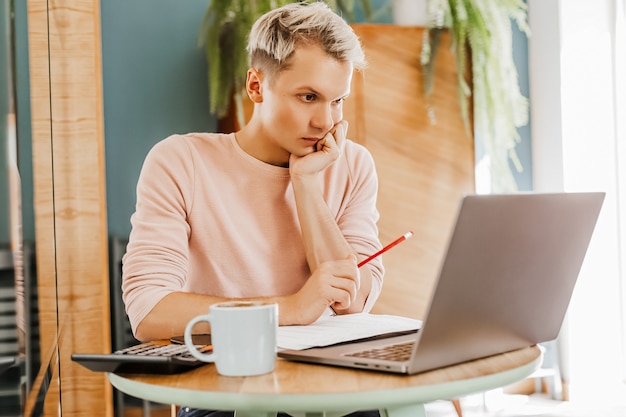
[(22, 103), (155, 84), (19, 85), (4, 109), (24, 136)]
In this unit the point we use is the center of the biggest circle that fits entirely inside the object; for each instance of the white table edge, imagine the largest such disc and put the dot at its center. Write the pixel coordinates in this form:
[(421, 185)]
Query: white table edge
[(320, 402)]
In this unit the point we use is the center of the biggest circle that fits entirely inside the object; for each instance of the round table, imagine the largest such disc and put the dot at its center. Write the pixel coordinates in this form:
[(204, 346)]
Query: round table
[(318, 390)]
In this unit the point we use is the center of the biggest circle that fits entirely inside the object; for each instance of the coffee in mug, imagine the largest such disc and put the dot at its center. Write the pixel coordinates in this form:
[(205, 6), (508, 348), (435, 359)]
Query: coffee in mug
[(243, 335)]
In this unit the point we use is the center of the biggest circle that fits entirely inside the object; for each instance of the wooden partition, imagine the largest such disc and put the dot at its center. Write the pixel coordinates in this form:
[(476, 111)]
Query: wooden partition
[(423, 168), (70, 204)]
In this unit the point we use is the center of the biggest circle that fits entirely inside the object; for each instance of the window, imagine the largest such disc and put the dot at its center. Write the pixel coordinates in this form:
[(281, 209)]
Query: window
[(577, 90)]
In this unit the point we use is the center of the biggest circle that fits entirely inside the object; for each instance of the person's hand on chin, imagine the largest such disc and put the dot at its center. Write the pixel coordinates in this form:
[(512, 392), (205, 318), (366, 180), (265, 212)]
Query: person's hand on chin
[(327, 150)]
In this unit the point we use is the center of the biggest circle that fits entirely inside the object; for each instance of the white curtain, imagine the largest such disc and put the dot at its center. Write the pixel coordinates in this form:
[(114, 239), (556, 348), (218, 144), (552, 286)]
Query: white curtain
[(578, 127), (620, 122)]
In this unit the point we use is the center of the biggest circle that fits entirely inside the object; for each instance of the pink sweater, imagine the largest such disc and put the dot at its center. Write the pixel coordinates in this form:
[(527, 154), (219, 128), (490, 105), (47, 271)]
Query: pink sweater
[(211, 219)]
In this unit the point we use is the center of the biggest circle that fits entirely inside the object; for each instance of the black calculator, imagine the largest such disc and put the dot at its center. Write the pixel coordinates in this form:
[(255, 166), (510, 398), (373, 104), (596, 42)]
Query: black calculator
[(144, 358)]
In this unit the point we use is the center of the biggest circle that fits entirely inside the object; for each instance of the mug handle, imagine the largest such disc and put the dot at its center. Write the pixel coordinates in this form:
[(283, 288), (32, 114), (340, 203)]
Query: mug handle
[(205, 357)]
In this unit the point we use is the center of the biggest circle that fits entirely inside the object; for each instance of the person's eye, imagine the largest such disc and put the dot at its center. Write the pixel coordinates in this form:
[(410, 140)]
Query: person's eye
[(308, 98)]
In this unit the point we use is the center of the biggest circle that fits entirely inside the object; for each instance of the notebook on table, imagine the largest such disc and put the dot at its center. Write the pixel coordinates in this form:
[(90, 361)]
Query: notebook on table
[(505, 283)]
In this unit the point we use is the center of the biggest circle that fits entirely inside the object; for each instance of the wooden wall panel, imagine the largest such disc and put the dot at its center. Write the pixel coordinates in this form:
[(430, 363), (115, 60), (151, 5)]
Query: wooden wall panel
[(423, 168), (70, 198)]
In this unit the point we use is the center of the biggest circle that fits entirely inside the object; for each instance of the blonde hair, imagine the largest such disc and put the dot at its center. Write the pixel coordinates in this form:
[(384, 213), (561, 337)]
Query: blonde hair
[(275, 36)]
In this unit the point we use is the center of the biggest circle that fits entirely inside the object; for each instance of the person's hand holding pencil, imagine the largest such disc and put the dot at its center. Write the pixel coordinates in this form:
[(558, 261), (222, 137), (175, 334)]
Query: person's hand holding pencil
[(380, 252), (329, 285)]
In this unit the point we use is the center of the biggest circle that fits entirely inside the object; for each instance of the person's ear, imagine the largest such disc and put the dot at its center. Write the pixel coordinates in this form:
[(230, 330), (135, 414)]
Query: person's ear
[(254, 85)]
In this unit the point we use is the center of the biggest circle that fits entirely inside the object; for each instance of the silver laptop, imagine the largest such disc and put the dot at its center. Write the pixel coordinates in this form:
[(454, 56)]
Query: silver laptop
[(505, 283)]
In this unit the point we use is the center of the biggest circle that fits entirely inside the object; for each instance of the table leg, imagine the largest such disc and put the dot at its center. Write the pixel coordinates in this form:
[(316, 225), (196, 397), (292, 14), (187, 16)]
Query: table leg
[(413, 410)]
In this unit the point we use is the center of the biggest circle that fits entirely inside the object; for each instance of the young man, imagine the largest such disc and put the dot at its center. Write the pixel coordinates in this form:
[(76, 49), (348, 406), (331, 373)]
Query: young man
[(281, 210)]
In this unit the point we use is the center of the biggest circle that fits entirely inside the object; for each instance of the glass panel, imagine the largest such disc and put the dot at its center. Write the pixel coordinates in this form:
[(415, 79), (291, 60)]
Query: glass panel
[(35, 114), (24, 382), (19, 352)]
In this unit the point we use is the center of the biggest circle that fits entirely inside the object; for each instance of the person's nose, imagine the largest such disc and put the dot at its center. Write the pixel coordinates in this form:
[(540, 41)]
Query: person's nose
[(323, 119)]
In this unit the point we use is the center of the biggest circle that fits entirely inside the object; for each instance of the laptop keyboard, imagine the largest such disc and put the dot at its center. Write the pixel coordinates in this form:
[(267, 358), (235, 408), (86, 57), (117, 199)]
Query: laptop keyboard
[(399, 352)]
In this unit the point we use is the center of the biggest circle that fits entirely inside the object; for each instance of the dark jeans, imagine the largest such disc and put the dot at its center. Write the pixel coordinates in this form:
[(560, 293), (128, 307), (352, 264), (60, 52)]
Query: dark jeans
[(192, 412)]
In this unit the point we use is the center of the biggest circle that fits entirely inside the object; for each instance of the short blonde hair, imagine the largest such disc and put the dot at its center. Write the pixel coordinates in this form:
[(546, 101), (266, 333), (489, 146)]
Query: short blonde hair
[(275, 36)]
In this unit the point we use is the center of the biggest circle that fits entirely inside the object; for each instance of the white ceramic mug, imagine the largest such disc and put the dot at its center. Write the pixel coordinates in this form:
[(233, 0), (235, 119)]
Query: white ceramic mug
[(243, 335)]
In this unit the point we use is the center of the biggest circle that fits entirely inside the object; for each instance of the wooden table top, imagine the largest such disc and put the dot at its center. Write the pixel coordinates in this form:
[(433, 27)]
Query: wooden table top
[(307, 384)]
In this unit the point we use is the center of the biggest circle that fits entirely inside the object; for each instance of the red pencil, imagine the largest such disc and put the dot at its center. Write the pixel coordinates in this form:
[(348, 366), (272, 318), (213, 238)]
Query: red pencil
[(386, 248)]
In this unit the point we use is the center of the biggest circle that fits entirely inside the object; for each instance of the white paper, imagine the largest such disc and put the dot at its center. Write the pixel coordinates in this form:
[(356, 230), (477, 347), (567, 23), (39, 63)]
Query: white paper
[(329, 330)]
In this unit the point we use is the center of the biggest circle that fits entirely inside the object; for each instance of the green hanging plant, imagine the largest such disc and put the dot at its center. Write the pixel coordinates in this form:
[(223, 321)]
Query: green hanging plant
[(483, 28), (224, 36)]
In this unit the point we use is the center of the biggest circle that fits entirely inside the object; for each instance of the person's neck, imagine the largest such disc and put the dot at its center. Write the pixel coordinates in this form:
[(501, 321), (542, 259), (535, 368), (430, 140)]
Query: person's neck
[(256, 142)]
